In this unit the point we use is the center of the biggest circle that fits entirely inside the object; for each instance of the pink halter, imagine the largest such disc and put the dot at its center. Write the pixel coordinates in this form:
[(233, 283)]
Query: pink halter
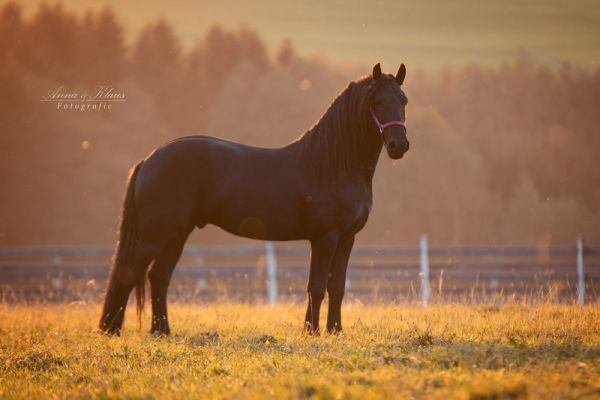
[(389, 123)]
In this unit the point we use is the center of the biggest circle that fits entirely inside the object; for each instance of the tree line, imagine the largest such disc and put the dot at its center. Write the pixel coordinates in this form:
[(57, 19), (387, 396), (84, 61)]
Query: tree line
[(513, 146)]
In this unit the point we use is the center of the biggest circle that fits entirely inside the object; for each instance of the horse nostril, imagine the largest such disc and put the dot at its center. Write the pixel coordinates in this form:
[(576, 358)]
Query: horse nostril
[(392, 145), (406, 146)]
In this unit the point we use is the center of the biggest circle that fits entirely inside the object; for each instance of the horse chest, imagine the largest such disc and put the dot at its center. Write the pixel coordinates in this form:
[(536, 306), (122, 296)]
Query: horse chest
[(362, 213), (347, 211)]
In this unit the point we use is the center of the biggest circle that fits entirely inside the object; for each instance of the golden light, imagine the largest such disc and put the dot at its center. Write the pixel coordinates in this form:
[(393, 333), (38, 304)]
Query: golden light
[(304, 85)]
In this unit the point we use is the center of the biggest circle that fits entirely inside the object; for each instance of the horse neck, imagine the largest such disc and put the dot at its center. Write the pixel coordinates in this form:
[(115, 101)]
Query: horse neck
[(365, 152), (331, 156), (371, 155)]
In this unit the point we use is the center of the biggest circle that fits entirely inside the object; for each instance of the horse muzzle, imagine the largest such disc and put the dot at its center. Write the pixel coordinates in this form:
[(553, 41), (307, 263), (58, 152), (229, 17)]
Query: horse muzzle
[(397, 148)]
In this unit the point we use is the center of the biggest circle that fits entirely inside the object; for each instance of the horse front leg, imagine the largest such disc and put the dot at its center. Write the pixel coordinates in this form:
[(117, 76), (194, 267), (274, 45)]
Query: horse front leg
[(337, 284), (322, 251)]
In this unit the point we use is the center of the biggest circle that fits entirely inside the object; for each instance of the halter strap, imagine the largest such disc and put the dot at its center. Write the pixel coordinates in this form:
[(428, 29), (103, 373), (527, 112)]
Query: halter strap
[(389, 123)]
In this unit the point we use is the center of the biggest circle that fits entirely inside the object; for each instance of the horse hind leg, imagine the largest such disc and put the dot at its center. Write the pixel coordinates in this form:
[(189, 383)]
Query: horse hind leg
[(118, 292), (160, 277)]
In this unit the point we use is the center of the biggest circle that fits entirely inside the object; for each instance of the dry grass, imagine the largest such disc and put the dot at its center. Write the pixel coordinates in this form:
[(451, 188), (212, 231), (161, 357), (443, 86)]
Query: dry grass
[(257, 351)]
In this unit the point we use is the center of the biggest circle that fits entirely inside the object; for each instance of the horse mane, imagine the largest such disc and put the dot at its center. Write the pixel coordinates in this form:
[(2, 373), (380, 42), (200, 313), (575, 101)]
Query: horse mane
[(329, 147)]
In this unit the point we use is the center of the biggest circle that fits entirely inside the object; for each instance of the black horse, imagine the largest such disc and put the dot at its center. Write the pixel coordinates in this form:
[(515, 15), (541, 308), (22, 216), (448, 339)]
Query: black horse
[(317, 188)]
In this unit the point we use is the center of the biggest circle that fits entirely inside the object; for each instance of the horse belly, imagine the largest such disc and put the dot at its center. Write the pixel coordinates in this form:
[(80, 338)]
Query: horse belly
[(257, 219), (257, 205)]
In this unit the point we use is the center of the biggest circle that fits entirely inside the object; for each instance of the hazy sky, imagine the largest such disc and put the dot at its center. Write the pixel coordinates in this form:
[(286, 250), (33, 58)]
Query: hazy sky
[(428, 33)]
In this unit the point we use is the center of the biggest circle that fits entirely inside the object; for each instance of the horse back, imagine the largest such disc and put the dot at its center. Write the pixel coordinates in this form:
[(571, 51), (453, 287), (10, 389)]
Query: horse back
[(249, 191)]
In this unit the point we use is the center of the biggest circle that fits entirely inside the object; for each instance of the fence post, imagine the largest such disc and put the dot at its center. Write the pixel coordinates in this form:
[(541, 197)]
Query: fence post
[(580, 271), (271, 272), (424, 270)]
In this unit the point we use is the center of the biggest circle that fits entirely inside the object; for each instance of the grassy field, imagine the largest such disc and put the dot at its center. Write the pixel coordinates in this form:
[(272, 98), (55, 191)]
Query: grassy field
[(257, 351)]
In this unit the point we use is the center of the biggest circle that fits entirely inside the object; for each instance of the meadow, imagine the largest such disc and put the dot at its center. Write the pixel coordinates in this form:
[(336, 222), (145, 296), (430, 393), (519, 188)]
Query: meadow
[(247, 351)]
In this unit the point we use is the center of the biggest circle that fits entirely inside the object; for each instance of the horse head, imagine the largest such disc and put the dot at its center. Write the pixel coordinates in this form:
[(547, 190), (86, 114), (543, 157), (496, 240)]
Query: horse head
[(387, 104)]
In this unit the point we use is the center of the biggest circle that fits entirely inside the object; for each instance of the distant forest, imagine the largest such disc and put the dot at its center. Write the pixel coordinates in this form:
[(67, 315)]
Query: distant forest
[(503, 155)]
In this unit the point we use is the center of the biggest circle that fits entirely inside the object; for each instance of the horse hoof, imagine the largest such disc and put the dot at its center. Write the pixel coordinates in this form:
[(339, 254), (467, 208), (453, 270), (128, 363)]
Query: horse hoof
[(158, 334), (108, 331), (334, 328), (160, 331), (310, 331)]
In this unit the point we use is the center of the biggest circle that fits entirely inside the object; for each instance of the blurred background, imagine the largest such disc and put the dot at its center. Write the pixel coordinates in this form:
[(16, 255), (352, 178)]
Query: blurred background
[(503, 111), (503, 116)]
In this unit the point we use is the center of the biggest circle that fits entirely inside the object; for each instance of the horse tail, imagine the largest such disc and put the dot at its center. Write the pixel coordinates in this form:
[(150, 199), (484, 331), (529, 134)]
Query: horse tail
[(128, 234), (122, 273)]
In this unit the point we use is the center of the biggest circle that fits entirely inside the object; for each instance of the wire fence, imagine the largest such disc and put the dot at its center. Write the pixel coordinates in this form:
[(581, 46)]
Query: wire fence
[(275, 272)]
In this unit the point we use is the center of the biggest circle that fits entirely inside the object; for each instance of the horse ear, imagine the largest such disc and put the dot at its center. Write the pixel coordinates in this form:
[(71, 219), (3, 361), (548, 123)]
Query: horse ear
[(401, 75), (376, 71)]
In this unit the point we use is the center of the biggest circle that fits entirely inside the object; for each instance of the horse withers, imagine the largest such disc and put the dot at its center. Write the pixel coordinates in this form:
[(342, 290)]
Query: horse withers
[(323, 194)]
